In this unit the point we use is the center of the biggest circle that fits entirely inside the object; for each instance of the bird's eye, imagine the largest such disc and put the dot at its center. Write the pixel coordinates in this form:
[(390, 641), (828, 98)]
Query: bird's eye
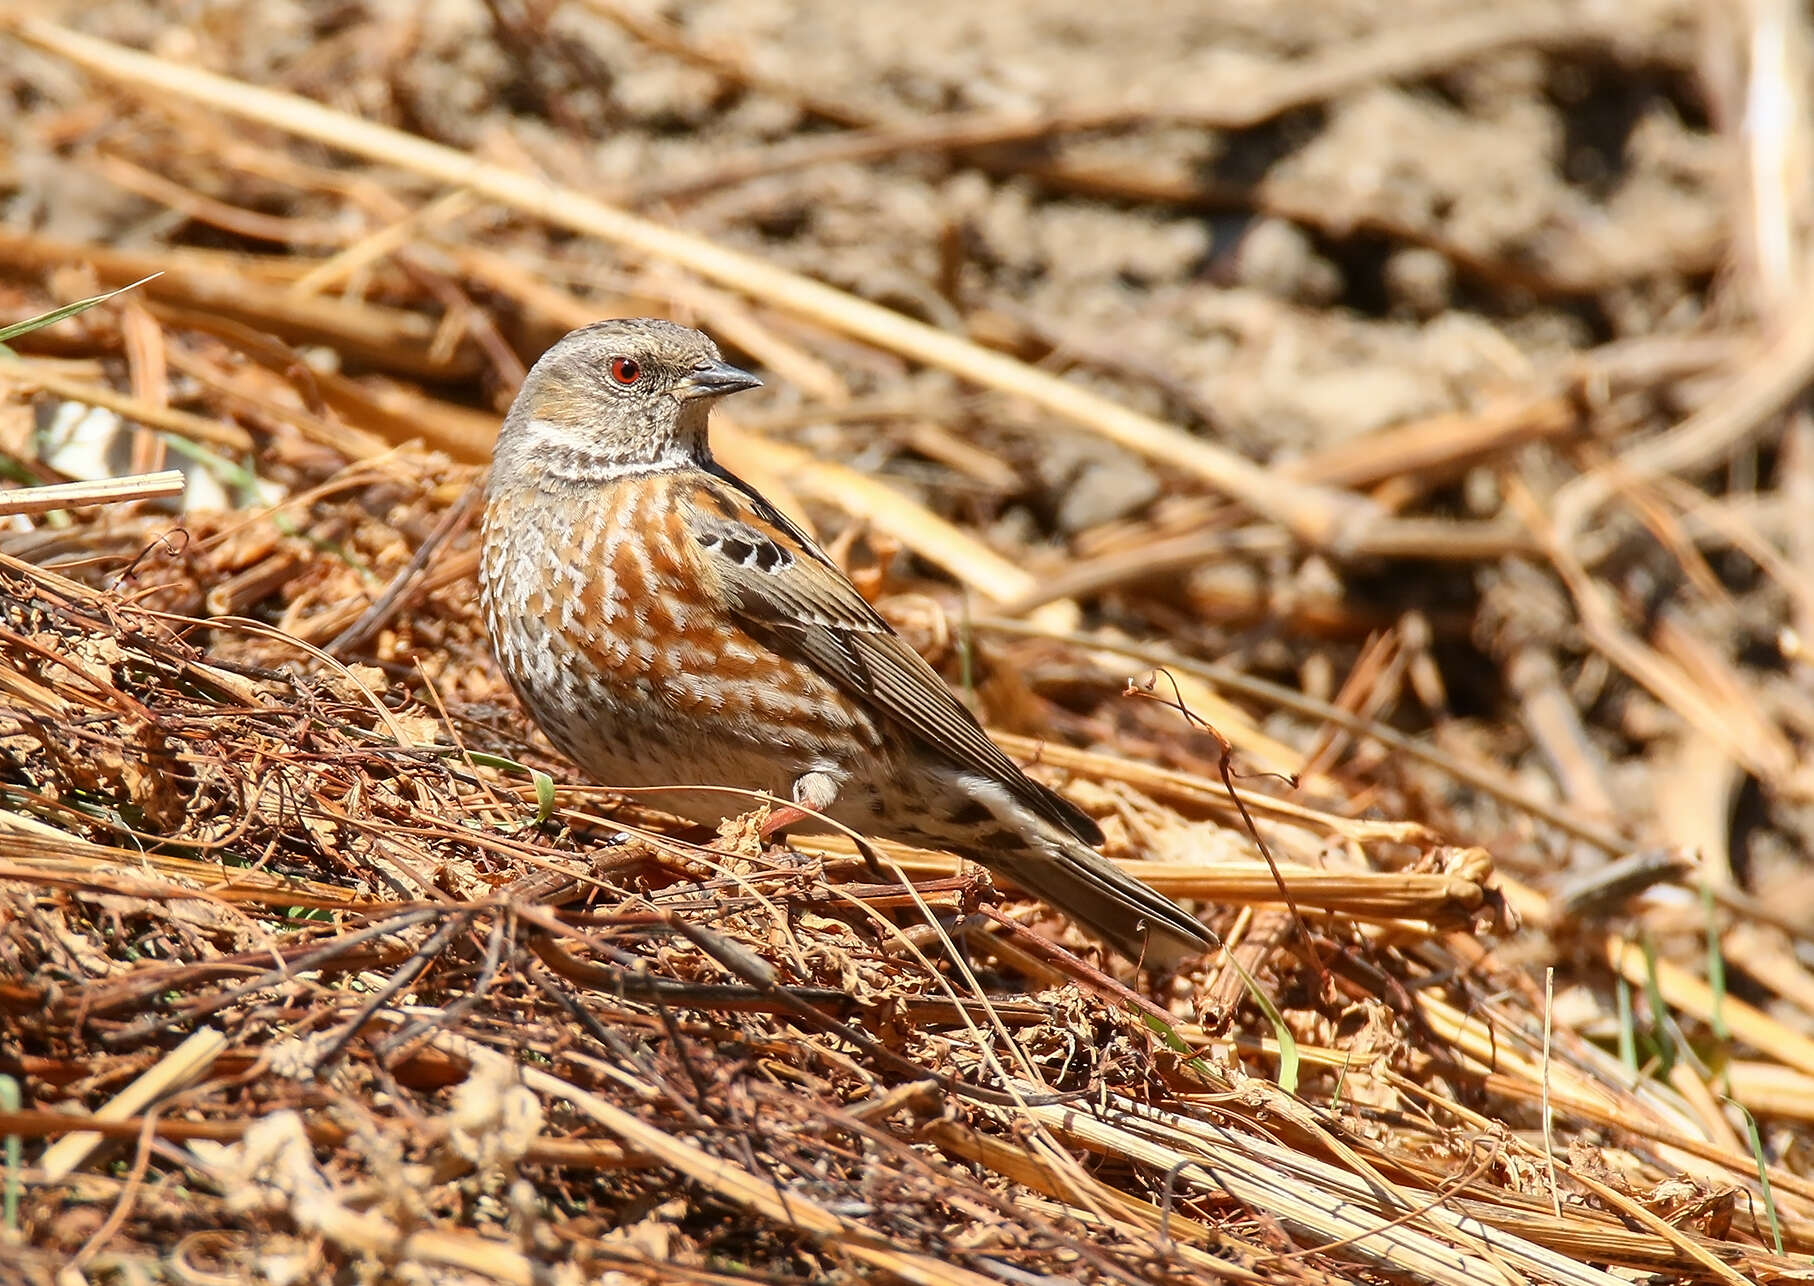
[(625, 370)]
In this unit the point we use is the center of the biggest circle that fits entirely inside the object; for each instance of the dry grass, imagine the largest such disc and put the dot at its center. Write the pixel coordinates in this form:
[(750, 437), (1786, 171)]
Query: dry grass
[(307, 975)]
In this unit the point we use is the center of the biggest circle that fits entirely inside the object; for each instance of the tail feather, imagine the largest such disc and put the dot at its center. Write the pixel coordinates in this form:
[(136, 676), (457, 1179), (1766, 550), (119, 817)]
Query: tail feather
[(1137, 920)]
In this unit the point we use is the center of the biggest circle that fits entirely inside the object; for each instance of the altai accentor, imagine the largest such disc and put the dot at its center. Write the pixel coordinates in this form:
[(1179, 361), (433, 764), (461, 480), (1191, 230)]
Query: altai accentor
[(667, 626)]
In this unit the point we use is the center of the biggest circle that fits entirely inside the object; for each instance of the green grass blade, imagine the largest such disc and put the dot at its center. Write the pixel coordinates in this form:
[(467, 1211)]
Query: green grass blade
[(56, 315), (1659, 1033), (1628, 1026), (1763, 1174), (1288, 1044), (544, 784), (1716, 964), (10, 1101)]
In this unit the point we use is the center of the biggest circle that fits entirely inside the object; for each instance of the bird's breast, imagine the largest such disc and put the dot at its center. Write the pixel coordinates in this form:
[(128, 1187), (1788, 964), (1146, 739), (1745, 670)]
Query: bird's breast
[(627, 658)]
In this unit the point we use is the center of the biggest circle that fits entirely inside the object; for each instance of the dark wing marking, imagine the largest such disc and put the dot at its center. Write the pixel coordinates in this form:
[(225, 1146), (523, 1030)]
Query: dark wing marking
[(792, 596)]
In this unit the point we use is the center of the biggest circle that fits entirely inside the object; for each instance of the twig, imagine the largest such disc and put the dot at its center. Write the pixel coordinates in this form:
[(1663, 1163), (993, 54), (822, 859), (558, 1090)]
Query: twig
[(397, 592), (1776, 149), (1709, 1263), (1682, 990), (85, 495), (1432, 450), (1488, 780), (1749, 736), (205, 209), (1742, 410), (135, 1180), (1549, 1116), (1225, 766), (197, 428), (385, 241), (250, 289), (183, 1065)]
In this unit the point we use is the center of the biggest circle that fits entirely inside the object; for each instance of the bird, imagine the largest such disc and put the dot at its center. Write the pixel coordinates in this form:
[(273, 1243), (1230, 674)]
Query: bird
[(665, 625)]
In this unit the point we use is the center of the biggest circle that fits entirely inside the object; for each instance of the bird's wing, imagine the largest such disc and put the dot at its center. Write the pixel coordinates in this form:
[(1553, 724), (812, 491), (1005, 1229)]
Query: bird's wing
[(792, 597)]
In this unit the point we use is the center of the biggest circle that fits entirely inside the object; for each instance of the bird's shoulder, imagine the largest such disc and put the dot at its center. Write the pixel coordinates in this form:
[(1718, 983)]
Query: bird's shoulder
[(762, 562)]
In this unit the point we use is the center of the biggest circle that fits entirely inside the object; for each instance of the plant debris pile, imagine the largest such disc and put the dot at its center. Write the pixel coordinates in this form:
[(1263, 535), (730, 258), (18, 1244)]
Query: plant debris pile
[(1376, 491)]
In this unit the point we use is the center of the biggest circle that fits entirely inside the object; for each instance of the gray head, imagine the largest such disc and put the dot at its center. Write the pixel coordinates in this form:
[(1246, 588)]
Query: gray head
[(621, 396)]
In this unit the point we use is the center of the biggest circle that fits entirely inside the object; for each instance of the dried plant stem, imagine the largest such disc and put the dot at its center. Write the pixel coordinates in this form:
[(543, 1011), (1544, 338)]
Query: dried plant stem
[(197, 428), (732, 1182), (1691, 995), (181, 1066), (85, 495), (1774, 378)]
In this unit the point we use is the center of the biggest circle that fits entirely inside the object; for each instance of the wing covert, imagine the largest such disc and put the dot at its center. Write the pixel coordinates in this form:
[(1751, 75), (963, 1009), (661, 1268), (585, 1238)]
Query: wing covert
[(792, 597)]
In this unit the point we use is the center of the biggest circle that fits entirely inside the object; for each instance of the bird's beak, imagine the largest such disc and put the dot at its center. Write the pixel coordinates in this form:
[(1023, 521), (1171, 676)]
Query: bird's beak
[(714, 378)]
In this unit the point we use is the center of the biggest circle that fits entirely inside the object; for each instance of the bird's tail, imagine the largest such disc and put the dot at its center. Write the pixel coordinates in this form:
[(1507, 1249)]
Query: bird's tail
[(1134, 918)]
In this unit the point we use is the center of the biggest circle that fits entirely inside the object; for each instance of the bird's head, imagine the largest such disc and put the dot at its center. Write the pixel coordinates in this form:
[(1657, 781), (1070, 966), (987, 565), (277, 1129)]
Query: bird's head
[(623, 396)]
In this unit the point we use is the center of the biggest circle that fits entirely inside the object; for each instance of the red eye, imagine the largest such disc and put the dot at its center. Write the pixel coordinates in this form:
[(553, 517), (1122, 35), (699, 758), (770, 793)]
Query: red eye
[(625, 370)]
